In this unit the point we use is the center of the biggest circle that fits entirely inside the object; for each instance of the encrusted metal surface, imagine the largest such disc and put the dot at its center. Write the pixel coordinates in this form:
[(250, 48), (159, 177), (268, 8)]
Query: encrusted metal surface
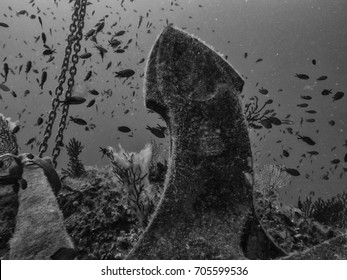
[(207, 196)]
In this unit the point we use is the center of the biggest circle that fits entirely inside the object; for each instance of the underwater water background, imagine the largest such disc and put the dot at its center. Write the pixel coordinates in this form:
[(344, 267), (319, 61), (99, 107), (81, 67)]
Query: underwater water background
[(285, 35)]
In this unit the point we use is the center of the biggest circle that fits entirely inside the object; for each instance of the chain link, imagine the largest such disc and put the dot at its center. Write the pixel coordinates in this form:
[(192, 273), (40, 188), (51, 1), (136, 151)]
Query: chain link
[(73, 40)]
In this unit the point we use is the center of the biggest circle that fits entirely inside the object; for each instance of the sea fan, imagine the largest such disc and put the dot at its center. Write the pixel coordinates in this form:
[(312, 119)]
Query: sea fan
[(131, 169), (75, 166), (331, 212), (270, 180)]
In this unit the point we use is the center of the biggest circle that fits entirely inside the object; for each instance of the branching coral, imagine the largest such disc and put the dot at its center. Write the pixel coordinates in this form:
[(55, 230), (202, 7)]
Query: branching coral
[(286, 224), (75, 166), (131, 170), (332, 211)]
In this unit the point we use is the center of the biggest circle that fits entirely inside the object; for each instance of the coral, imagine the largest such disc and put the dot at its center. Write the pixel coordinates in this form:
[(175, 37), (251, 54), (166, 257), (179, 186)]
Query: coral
[(132, 169), (270, 180), (332, 211), (96, 215), (75, 166), (8, 141), (287, 225)]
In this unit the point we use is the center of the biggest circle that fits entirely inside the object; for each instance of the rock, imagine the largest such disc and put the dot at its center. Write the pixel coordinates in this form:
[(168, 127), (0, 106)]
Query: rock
[(332, 249)]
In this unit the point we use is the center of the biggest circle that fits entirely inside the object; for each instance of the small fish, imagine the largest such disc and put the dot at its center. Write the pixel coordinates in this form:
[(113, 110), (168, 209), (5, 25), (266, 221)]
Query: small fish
[(4, 87), (158, 131), (326, 92), (94, 92), (89, 34), (263, 91), (302, 76), (313, 153), (306, 97), (119, 51), (73, 100), (2, 24), (310, 120), (141, 61), (285, 153), (291, 171), (20, 68), (40, 20), (114, 43), (39, 121), (28, 67), (14, 94), (15, 129), (125, 73), (78, 121), (307, 140), (275, 121), (338, 95), (43, 79), (314, 62), (345, 158), (101, 50), (85, 55), (26, 92), (47, 52), (100, 26), (22, 12), (311, 111), (258, 60), (266, 123), (43, 37), (119, 33), (6, 70), (332, 122), (302, 105), (89, 74), (30, 141), (335, 161), (322, 78), (91, 103), (124, 129), (109, 65), (245, 55), (140, 21)]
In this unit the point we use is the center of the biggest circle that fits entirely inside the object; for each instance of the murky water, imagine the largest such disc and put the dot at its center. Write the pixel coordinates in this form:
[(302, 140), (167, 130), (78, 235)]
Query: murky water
[(268, 42)]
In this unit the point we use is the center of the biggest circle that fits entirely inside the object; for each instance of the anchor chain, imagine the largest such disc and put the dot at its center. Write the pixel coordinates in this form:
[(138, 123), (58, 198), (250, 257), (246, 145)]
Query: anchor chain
[(73, 43)]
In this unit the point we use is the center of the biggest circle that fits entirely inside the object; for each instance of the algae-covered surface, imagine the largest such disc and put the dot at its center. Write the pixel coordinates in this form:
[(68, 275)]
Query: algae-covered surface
[(101, 225), (97, 215)]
